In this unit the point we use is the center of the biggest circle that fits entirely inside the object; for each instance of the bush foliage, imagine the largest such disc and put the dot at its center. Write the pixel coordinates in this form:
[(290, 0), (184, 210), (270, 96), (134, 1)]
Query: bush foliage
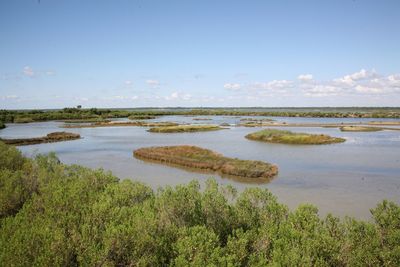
[(58, 215)]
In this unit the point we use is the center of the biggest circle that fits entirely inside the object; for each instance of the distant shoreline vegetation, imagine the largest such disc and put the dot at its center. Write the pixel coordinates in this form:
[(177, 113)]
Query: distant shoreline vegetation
[(53, 214), (23, 116)]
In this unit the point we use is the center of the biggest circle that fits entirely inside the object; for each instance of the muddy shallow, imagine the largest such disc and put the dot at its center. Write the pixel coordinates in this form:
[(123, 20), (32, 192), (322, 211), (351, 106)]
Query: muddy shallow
[(345, 179)]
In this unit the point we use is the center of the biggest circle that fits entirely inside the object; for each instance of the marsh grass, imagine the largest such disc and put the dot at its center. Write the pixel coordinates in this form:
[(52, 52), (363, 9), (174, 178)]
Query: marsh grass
[(185, 128), (287, 137), (360, 129), (50, 138), (197, 158)]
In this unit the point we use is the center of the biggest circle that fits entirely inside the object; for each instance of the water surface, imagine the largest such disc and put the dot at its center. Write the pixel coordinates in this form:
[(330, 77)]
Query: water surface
[(344, 179)]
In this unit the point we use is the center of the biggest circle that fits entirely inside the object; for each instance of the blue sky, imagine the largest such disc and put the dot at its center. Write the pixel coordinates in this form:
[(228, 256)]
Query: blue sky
[(121, 53)]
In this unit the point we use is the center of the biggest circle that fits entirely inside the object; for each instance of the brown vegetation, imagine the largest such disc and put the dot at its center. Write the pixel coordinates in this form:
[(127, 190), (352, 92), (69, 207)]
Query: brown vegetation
[(204, 159), (50, 138)]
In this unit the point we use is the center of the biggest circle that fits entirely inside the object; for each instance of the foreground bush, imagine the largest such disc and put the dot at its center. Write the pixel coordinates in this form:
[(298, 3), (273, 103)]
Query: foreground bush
[(58, 215)]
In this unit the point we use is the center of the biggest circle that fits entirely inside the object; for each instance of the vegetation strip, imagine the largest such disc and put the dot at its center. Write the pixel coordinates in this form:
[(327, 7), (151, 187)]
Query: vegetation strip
[(287, 137), (202, 119), (141, 117), (185, 128), (204, 159), (360, 129), (93, 120), (50, 138), (15, 116), (123, 123), (54, 214)]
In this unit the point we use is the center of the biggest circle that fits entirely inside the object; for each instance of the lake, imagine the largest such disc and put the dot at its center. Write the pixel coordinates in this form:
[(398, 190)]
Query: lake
[(346, 179)]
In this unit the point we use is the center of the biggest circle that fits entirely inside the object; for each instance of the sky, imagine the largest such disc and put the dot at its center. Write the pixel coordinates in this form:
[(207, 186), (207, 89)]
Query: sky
[(167, 53)]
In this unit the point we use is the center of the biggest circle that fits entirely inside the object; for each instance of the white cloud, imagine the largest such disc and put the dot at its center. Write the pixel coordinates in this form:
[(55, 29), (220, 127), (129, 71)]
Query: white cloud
[(352, 79), (274, 86), (368, 90), (305, 77), (322, 91), (28, 71), (363, 82), (232, 86), (128, 82), (178, 96)]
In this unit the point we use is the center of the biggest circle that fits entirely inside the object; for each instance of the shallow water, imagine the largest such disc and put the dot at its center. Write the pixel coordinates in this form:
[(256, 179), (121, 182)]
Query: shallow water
[(344, 179)]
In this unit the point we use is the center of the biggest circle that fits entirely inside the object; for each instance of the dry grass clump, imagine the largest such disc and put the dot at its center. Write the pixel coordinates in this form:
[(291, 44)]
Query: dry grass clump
[(360, 129), (287, 137), (185, 128), (50, 138), (204, 159)]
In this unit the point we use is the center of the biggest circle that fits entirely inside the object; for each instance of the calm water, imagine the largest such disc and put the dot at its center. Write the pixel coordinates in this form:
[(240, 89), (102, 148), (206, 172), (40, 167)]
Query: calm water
[(343, 179)]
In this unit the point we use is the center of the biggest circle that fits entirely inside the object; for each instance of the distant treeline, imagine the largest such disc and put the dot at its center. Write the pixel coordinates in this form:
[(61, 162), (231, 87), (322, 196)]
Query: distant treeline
[(53, 214), (9, 116)]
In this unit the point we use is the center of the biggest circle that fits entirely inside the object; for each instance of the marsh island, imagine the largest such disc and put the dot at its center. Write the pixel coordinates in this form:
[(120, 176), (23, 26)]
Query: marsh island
[(288, 137), (50, 138), (197, 158)]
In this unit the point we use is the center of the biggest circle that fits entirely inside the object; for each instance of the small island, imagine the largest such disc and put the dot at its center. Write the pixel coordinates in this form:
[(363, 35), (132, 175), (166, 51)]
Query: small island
[(185, 128), (287, 137), (50, 138), (200, 159), (360, 129)]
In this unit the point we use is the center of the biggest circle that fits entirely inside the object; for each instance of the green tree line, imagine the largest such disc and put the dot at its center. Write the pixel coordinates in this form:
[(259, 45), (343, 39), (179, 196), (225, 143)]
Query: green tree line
[(25, 116), (52, 214)]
